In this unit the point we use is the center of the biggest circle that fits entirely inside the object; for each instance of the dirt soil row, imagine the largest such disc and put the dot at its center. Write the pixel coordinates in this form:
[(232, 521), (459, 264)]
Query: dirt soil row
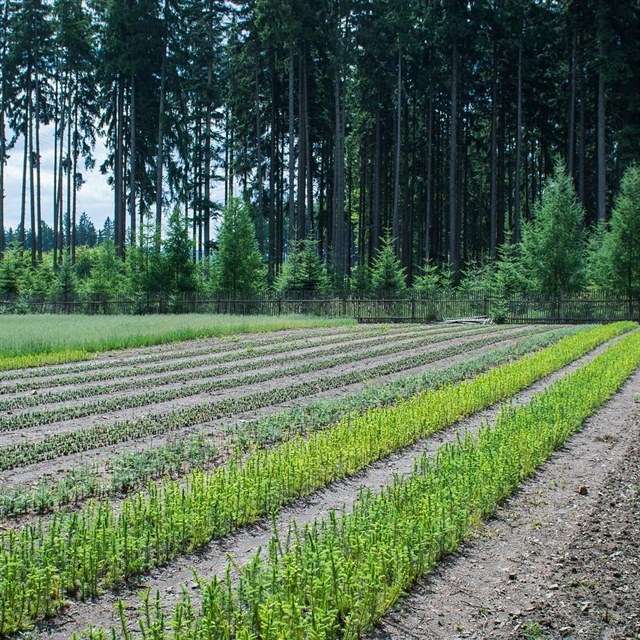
[(216, 429), (242, 545), (560, 559), (35, 433)]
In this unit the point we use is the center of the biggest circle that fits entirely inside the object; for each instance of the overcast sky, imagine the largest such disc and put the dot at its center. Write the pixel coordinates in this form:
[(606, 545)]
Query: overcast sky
[(95, 197)]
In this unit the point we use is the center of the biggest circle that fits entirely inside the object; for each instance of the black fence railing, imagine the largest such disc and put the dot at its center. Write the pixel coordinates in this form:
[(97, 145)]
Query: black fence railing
[(407, 307)]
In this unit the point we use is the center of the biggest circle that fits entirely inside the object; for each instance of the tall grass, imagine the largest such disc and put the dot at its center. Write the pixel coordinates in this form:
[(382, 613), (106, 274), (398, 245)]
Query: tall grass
[(42, 339)]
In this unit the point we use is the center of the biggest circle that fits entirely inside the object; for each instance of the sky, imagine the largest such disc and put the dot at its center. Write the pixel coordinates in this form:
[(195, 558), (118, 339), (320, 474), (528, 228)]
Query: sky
[(95, 196)]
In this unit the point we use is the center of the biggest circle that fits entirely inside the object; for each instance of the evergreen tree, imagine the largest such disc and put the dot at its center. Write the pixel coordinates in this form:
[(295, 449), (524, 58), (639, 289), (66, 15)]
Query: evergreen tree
[(428, 282), (303, 269), (237, 265), (66, 284), (552, 244), (387, 273), (178, 249), (622, 244)]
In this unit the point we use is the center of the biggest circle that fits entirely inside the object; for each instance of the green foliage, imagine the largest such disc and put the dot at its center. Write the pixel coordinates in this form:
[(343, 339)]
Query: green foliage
[(360, 280), (552, 244), (179, 253), (509, 278), (428, 281), (387, 273), (303, 269), (12, 270), (66, 282), (237, 264), (597, 262), (107, 278), (622, 244)]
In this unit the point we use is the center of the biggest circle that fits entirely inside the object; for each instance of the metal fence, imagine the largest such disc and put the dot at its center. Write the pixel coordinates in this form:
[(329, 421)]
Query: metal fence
[(408, 307)]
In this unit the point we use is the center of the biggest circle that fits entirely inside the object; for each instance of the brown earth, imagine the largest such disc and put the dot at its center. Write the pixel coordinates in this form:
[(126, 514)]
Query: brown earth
[(560, 559), (243, 544)]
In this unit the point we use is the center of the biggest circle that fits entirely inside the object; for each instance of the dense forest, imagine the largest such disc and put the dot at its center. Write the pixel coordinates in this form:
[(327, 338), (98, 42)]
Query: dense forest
[(424, 130)]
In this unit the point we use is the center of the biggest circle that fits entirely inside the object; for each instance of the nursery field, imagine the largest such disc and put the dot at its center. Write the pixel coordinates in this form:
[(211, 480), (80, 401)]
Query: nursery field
[(303, 483)]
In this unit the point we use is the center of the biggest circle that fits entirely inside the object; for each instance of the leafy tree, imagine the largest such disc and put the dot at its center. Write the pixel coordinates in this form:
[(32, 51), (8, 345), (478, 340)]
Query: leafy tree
[(552, 244), (12, 269), (303, 270), (237, 264), (597, 272), (622, 244), (387, 273), (509, 278)]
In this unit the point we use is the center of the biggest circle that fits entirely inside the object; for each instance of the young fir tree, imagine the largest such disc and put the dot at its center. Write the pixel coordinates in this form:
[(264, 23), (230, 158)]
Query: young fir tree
[(237, 265), (428, 282), (552, 243), (303, 269), (387, 273), (621, 247), (179, 252)]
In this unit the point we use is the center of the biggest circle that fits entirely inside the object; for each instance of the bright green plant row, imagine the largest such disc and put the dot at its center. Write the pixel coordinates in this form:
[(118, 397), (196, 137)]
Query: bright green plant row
[(225, 344), (103, 434), (76, 553), (239, 364), (103, 405), (45, 334), (335, 579), (131, 470), (209, 356)]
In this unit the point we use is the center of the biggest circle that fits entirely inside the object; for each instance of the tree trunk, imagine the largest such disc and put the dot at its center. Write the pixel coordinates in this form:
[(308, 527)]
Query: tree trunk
[(292, 161), (273, 149), (23, 207), (517, 232), (119, 221), (38, 230), (160, 145), (302, 142), (259, 179), (454, 248), (571, 125), (396, 174), (493, 207), (375, 223), (133, 187), (74, 207), (601, 151), (582, 137), (429, 190), (32, 192), (338, 185), (69, 179)]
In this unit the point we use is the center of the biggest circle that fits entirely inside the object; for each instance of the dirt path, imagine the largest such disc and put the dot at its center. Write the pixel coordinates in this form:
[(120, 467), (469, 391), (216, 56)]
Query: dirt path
[(561, 558), (241, 546)]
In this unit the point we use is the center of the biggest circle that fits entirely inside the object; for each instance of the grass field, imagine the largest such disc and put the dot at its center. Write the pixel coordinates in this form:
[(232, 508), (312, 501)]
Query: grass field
[(33, 340)]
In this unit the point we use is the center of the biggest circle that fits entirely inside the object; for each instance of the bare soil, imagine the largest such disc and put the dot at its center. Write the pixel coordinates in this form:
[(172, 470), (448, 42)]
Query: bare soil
[(242, 545), (560, 559), (213, 429), (35, 433)]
